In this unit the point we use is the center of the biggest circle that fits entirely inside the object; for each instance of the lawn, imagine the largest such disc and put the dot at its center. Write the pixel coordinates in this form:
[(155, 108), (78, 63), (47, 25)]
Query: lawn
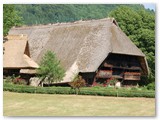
[(22, 104)]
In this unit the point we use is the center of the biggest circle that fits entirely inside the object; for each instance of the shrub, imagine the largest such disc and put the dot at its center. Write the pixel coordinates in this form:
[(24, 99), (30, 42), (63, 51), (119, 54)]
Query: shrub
[(19, 81), (113, 81), (96, 87), (151, 86), (144, 88), (84, 91), (8, 79), (15, 80), (77, 83), (134, 88)]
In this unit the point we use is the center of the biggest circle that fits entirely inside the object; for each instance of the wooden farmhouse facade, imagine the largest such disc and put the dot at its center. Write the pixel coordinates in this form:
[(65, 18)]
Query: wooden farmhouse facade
[(98, 50)]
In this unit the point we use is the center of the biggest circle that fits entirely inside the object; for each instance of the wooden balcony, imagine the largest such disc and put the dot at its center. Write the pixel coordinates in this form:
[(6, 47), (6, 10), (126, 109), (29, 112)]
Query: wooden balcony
[(104, 74), (132, 76)]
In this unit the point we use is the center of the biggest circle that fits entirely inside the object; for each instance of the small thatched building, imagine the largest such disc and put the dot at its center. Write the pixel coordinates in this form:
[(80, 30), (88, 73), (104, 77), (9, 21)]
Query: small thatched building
[(96, 49), (16, 56)]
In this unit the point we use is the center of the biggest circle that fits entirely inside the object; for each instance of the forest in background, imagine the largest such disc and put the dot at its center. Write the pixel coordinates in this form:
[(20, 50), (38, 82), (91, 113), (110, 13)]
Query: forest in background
[(43, 14), (32, 14), (137, 22)]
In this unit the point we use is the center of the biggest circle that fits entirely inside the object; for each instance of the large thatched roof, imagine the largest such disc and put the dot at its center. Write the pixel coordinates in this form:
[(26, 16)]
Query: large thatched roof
[(81, 46), (16, 54)]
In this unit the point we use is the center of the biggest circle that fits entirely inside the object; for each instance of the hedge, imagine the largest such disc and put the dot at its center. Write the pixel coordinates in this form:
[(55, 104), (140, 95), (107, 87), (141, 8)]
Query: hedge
[(103, 91)]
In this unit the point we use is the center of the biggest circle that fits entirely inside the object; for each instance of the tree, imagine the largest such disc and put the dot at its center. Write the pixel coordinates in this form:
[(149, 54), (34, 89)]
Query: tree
[(10, 18), (52, 13), (50, 68), (128, 19)]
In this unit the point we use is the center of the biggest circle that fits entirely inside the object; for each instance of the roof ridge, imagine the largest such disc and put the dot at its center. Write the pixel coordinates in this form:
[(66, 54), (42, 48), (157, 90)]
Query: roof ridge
[(17, 37), (112, 20)]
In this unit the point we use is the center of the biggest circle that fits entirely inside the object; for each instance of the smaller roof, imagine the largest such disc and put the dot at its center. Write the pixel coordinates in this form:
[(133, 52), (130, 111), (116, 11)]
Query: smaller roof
[(30, 62), (14, 53)]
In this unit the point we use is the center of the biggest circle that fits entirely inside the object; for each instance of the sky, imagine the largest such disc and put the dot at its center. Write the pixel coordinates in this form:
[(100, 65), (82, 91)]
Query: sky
[(150, 6)]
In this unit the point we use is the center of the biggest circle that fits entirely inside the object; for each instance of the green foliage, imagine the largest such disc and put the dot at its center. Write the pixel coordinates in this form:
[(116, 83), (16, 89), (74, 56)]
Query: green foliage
[(113, 81), (43, 14), (139, 25), (15, 80), (11, 18), (8, 79), (128, 19), (50, 68), (102, 91), (53, 13), (151, 86)]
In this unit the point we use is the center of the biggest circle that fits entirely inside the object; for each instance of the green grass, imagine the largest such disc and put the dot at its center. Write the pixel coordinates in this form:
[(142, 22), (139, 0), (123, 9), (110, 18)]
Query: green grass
[(24, 104)]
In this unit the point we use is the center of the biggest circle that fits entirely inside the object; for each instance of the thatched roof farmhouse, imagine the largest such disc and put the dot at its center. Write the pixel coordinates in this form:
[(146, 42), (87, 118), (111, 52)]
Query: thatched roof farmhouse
[(96, 49)]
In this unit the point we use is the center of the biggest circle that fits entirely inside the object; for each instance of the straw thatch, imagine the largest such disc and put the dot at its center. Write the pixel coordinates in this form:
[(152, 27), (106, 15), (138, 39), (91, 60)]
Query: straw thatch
[(81, 46), (16, 55)]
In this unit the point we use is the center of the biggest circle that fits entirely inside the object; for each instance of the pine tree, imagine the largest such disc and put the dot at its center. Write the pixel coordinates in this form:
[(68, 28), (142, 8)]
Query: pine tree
[(50, 69)]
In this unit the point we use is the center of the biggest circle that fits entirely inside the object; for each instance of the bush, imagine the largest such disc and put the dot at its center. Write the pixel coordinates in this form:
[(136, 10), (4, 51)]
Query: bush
[(84, 91), (151, 86), (134, 88), (8, 79), (144, 88), (96, 87), (15, 80), (19, 81), (113, 82), (77, 83)]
